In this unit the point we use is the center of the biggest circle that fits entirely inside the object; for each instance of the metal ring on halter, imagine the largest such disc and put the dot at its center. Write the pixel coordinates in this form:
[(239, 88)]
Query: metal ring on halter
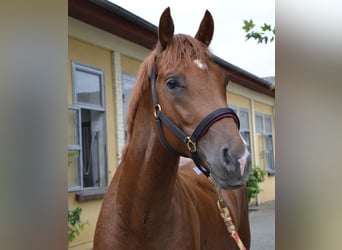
[(192, 146), (156, 111)]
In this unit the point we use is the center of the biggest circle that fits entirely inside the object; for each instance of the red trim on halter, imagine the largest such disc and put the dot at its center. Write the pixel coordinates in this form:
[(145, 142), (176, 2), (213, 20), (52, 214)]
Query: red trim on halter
[(205, 130)]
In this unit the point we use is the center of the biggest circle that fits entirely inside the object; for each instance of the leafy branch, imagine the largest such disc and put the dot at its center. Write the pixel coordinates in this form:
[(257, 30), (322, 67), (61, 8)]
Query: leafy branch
[(264, 35)]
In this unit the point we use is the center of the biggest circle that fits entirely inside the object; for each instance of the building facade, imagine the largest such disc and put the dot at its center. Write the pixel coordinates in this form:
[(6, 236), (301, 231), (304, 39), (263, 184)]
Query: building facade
[(107, 45)]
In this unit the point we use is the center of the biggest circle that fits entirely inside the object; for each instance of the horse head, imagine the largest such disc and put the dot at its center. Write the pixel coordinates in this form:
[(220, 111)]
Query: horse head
[(189, 91)]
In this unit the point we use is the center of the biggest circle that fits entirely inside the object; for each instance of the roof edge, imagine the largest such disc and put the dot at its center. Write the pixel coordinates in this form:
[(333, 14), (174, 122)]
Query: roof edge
[(246, 78), (129, 16)]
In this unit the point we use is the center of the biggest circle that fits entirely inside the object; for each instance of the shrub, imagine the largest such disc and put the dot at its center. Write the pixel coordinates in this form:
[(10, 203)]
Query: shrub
[(256, 176), (75, 224)]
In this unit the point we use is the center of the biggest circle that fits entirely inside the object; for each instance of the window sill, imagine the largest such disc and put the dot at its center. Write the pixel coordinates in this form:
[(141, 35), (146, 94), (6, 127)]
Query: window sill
[(90, 194), (270, 172)]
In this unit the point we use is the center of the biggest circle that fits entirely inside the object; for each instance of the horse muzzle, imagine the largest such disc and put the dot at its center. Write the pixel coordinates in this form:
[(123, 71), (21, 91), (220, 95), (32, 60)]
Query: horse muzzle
[(229, 168)]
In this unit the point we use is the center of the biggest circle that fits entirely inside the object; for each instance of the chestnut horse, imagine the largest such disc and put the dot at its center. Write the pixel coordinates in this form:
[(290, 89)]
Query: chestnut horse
[(152, 202)]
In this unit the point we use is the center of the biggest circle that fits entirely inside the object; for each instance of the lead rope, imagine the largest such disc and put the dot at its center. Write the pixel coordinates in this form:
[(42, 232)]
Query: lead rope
[(224, 211)]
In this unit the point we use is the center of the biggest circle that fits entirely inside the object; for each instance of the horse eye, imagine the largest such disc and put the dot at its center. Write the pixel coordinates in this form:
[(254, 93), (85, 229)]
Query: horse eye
[(172, 83)]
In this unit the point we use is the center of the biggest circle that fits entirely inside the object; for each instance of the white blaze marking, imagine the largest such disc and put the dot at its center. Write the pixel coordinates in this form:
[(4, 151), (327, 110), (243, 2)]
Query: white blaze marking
[(243, 161), (200, 64)]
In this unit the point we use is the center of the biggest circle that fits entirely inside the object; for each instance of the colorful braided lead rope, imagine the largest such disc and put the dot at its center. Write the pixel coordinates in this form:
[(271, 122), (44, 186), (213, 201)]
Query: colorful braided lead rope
[(229, 223), (224, 211)]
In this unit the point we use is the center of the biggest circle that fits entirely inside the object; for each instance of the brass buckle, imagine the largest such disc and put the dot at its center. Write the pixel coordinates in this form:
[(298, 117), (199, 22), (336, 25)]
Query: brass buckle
[(191, 144)]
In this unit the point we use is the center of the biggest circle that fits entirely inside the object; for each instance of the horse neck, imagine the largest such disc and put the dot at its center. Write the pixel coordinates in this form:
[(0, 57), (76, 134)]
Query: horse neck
[(148, 170)]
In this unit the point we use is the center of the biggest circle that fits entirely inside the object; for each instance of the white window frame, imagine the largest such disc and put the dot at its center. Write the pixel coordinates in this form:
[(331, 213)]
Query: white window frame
[(127, 79), (244, 130), (94, 107), (77, 147), (90, 70), (264, 134), (237, 110)]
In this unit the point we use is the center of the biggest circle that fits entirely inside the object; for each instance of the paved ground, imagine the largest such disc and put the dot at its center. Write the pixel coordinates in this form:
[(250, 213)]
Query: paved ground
[(262, 223)]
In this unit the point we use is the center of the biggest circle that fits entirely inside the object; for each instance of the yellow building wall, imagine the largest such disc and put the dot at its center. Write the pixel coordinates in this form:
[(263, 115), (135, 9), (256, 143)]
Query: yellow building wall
[(268, 186), (238, 100), (263, 108), (130, 65), (98, 57), (268, 110)]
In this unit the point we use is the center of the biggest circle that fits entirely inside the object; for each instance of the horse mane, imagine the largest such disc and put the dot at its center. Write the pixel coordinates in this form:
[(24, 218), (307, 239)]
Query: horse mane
[(182, 50)]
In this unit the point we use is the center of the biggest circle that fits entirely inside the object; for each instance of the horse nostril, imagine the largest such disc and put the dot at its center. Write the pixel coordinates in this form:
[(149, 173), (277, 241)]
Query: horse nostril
[(225, 155)]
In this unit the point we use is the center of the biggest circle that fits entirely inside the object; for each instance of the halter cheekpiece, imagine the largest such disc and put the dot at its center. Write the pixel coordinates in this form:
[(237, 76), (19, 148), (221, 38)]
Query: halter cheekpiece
[(199, 132)]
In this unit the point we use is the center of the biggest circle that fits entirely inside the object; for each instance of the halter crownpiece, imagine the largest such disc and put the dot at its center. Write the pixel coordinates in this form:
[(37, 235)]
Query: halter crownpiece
[(199, 132)]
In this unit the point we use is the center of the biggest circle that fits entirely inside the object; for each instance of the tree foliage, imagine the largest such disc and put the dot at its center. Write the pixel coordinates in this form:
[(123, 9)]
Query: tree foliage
[(265, 34)]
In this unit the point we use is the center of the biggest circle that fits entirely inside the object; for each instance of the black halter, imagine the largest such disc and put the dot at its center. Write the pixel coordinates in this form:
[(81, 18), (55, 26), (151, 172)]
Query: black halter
[(200, 131)]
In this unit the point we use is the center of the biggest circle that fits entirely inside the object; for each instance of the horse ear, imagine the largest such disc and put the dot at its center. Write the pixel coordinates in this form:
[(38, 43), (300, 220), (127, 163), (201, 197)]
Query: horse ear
[(166, 28), (206, 29)]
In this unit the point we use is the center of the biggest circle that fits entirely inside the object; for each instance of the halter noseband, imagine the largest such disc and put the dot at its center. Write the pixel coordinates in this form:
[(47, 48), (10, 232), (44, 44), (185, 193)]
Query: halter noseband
[(199, 132)]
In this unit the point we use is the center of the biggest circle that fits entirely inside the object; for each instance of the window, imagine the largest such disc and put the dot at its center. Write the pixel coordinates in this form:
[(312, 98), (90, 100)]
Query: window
[(233, 107), (74, 149), (87, 151), (244, 126), (243, 115), (263, 124), (128, 82)]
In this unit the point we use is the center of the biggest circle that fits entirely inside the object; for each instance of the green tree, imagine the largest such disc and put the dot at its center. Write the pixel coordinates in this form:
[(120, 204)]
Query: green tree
[(265, 34)]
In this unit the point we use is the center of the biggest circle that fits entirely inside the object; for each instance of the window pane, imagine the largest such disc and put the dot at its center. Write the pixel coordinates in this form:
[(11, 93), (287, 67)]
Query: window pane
[(93, 148), (268, 152), (244, 119), (233, 107), (268, 124), (128, 82), (245, 135), (88, 88), (73, 168), (259, 123), (73, 127)]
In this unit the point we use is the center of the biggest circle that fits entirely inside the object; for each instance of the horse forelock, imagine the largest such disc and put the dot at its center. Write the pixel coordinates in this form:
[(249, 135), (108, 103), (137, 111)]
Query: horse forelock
[(183, 50)]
